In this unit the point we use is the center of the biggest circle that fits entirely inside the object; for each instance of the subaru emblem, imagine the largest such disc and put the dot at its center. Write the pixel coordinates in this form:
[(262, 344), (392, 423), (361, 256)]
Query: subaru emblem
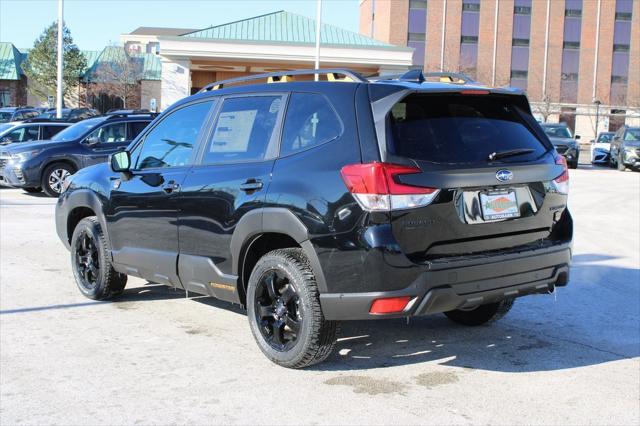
[(504, 175)]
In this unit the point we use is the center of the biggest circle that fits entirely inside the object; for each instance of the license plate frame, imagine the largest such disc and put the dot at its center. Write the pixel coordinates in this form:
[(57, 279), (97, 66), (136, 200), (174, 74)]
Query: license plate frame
[(499, 205)]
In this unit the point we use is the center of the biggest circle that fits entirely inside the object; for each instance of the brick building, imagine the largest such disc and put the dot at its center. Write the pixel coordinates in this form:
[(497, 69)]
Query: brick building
[(576, 59)]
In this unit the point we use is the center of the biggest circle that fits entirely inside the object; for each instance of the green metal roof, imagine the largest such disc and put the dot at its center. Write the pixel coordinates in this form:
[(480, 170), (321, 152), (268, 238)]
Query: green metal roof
[(287, 28), (10, 60), (150, 64)]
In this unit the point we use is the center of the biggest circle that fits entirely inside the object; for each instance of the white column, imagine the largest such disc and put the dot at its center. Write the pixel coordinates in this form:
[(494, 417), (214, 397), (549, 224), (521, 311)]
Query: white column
[(176, 81)]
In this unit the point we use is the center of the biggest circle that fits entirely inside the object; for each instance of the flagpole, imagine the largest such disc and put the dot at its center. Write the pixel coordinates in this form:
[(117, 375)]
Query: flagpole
[(318, 26), (60, 48)]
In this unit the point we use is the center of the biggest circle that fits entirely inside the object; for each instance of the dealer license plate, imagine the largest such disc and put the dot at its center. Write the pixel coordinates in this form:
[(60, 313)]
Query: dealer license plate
[(499, 205)]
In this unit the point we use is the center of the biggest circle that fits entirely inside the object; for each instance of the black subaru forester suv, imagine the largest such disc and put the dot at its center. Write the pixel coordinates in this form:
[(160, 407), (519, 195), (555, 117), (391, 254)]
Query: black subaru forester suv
[(314, 202)]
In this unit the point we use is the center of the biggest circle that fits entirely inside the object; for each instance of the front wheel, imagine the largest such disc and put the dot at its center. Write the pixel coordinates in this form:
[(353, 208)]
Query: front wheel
[(283, 307), (53, 178), (91, 262), (32, 190), (483, 314), (620, 163)]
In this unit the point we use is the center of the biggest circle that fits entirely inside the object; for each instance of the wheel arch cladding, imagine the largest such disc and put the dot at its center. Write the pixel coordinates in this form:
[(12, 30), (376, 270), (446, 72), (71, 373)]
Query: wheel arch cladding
[(80, 204), (270, 228)]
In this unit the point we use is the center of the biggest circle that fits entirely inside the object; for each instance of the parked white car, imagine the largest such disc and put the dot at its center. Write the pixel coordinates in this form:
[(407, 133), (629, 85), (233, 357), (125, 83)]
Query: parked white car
[(600, 148)]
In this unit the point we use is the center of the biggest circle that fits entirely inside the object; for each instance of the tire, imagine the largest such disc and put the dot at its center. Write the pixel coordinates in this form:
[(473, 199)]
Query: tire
[(620, 163), (32, 190), (573, 165), (53, 178), (91, 262), (483, 314), (286, 319)]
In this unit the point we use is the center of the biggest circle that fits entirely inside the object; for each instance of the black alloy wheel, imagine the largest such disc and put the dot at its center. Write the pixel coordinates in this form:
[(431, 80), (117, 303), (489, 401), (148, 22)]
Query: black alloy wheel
[(91, 262), (277, 308), (284, 312), (87, 261)]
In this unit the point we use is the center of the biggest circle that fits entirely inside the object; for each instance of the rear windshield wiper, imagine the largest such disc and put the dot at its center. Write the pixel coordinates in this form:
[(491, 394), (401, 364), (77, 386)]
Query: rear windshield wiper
[(509, 153)]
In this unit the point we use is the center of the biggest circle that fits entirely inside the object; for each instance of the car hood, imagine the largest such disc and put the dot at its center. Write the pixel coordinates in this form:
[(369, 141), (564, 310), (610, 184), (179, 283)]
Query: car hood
[(601, 145), (563, 141), (14, 148), (632, 144)]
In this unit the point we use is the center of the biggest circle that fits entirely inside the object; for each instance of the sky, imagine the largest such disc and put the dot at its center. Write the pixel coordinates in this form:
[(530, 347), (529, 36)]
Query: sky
[(97, 23)]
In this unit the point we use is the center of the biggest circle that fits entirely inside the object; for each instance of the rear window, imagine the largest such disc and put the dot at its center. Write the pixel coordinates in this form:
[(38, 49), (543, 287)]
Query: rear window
[(460, 129)]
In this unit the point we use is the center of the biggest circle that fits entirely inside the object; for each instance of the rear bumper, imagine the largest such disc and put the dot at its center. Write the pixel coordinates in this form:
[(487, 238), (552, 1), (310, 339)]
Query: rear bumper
[(453, 285)]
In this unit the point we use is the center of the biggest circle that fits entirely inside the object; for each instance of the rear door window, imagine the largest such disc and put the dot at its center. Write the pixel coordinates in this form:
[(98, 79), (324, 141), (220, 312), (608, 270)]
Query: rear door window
[(135, 128), (454, 128), (49, 131)]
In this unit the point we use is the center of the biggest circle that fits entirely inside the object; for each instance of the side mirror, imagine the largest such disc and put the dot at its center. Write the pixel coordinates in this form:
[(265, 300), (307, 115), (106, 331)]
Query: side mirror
[(121, 162), (92, 140), (577, 137)]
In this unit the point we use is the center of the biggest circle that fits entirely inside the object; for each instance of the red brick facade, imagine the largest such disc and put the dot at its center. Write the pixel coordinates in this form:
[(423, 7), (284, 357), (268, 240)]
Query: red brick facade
[(391, 25)]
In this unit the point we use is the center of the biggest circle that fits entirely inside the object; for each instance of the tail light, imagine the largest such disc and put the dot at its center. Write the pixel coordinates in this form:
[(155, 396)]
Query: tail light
[(561, 183), (376, 187)]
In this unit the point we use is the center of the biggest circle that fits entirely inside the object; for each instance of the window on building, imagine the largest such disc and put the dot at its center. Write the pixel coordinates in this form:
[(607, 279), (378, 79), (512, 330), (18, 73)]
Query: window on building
[(417, 29), (470, 27), (417, 4), (416, 36), (5, 98), (521, 10), (520, 43), (571, 51), (621, 42)]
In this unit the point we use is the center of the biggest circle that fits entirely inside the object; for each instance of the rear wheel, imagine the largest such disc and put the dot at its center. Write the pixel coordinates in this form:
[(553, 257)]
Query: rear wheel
[(283, 307), (483, 314), (91, 264), (573, 164), (54, 176)]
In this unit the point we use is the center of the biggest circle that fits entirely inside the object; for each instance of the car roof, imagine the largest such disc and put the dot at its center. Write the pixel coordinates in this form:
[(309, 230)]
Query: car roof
[(554, 124)]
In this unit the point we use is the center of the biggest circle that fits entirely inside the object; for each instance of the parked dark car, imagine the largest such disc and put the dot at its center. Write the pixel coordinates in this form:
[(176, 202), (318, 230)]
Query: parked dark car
[(625, 148), (310, 203), (9, 114), (71, 114), (566, 145), (30, 130), (46, 164)]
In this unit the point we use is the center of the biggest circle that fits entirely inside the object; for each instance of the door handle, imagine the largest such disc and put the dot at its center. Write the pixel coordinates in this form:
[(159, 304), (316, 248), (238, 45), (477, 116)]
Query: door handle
[(170, 186), (251, 185)]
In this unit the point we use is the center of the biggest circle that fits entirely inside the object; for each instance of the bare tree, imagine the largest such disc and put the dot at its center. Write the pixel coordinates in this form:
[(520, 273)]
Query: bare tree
[(545, 108), (117, 74)]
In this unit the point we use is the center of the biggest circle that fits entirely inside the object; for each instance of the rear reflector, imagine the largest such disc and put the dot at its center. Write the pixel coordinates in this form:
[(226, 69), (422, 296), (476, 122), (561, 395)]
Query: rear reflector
[(377, 188), (561, 183), (389, 305)]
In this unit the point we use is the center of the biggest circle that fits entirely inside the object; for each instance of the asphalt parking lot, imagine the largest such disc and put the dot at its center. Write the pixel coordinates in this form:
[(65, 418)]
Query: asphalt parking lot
[(155, 357)]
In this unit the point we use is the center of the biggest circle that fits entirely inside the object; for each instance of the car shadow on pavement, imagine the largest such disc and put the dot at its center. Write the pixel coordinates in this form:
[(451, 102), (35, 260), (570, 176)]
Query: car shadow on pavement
[(594, 320)]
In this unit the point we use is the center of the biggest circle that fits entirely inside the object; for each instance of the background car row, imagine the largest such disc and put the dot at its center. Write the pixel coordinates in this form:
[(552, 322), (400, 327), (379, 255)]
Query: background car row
[(45, 164)]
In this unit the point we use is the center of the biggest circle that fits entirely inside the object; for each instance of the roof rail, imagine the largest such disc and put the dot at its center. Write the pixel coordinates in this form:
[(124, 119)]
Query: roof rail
[(130, 114), (332, 74), (419, 77)]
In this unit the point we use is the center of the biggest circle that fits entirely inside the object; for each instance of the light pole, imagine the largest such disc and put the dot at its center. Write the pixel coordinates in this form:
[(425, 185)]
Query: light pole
[(318, 27), (59, 77), (597, 102)]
